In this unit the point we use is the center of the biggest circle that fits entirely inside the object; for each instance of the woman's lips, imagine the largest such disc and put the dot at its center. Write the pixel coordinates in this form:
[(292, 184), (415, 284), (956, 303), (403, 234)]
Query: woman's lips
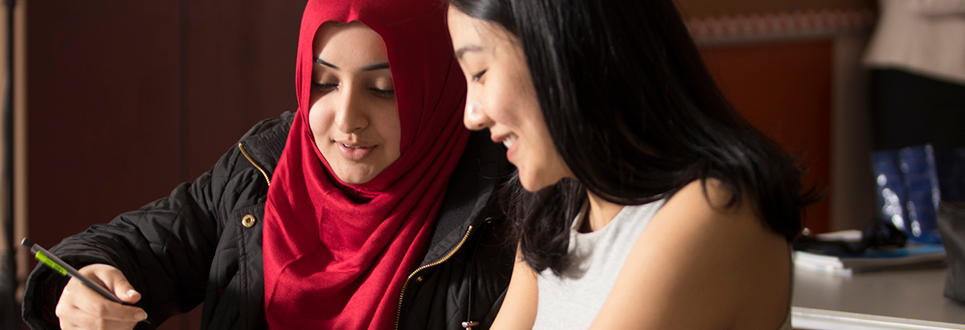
[(508, 140), (354, 152), (510, 143)]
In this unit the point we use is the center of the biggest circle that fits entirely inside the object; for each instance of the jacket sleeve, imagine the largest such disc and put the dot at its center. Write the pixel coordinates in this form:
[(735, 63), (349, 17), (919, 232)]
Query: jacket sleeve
[(165, 249)]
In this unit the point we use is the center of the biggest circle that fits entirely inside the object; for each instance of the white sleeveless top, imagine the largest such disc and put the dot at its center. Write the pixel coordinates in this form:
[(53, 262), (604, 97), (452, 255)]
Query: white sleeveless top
[(573, 299)]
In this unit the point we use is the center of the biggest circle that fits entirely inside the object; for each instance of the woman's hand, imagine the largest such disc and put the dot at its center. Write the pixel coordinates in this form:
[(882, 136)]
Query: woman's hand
[(80, 307)]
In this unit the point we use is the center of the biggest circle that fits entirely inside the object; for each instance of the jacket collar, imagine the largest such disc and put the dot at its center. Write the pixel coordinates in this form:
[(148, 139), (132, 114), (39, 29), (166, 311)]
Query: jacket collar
[(472, 187), (265, 142)]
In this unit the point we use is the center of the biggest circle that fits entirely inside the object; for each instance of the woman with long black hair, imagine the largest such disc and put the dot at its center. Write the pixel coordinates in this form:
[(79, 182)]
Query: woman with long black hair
[(643, 199)]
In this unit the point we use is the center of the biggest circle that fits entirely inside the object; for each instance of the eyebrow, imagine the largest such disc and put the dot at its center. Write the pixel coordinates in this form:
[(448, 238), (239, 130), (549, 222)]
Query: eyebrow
[(373, 67), (463, 50), (377, 66)]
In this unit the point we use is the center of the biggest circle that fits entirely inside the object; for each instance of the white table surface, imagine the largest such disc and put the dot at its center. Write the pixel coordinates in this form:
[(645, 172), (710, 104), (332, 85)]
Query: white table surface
[(894, 299)]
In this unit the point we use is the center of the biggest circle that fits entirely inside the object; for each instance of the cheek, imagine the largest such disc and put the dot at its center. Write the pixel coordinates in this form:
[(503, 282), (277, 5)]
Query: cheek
[(510, 102), (392, 133), (499, 102), (319, 118)]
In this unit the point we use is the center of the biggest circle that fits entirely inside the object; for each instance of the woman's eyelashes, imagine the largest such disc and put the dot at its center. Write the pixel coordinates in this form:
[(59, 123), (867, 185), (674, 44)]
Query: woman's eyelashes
[(377, 91), (324, 87), (478, 76), (387, 93)]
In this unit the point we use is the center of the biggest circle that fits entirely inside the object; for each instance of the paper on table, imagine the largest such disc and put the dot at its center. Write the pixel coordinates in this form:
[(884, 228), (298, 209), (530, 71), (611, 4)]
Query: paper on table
[(873, 259)]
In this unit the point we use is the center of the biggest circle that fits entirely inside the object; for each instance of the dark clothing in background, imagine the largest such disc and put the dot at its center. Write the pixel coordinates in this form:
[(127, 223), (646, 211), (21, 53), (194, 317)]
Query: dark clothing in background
[(909, 110)]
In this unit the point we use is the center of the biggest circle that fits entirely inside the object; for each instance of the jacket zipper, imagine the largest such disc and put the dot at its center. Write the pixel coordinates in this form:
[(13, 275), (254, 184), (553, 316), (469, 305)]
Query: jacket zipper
[(398, 313), (241, 146)]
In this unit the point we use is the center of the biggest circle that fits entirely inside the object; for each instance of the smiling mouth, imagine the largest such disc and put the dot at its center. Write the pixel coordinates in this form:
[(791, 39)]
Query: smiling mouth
[(353, 147), (508, 142), (354, 152)]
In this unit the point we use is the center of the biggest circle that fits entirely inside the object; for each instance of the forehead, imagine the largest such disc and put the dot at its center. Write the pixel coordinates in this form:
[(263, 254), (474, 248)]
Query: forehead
[(468, 31), (460, 27), (348, 39)]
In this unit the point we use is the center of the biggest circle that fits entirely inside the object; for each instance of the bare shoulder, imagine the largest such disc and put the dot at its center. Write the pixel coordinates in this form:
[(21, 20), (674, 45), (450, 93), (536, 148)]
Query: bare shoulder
[(702, 255), (701, 217), (710, 203)]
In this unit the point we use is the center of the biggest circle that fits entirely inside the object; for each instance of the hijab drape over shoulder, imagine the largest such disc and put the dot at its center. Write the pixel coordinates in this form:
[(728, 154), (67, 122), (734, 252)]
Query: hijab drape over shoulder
[(337, 254)]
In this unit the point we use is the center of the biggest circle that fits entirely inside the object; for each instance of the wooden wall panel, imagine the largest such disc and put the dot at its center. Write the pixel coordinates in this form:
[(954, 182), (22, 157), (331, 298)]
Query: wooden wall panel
[(784, 89), (714, 8), (241, 69), (102, 101)]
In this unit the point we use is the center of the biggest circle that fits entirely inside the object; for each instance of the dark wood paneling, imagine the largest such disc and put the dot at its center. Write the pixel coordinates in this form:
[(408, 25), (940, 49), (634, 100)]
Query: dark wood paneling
[(715, 8), (784, 89), (102, 101), (241, 69)]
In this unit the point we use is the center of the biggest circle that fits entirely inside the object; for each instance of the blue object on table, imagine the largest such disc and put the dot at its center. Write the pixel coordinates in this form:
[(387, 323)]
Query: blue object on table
[(922, 193), (890, 191)]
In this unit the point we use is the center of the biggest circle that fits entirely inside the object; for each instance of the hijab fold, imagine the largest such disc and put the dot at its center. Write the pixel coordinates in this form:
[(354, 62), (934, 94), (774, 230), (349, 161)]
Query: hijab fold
[(337, 254)]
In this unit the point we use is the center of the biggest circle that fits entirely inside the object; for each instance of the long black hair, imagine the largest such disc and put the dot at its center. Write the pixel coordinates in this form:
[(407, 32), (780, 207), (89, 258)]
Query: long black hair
[(635, 115)]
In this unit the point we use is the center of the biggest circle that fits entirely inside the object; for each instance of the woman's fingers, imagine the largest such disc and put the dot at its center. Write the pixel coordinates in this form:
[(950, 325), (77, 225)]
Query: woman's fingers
[(82, 308), (81, 320), (114, 281)]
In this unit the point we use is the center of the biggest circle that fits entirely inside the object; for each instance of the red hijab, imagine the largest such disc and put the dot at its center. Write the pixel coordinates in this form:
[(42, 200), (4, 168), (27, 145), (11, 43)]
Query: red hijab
[(337, 254)]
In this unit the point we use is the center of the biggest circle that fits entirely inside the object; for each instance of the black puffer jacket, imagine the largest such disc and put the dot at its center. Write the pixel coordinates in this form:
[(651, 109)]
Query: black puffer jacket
[(203, 244)]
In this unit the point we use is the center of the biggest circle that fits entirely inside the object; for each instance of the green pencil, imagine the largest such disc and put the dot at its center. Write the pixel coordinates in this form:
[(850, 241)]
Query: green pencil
[(64, 269)]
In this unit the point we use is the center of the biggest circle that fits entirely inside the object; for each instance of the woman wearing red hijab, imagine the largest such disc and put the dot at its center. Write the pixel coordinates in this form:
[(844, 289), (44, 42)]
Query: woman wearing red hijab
[(359, 211)]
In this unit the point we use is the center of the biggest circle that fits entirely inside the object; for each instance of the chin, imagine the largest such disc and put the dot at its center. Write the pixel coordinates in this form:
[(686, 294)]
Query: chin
[(352, 177), (533, 185), (543, 177)]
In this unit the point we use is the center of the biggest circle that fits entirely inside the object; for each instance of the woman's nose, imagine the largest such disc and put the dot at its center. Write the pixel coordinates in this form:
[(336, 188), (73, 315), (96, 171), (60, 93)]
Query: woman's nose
[(350, 114), (475, 117)]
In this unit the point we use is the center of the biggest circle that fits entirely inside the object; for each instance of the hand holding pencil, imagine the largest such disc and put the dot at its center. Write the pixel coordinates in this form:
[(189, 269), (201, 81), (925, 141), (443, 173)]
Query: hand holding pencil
[(103, 302)]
